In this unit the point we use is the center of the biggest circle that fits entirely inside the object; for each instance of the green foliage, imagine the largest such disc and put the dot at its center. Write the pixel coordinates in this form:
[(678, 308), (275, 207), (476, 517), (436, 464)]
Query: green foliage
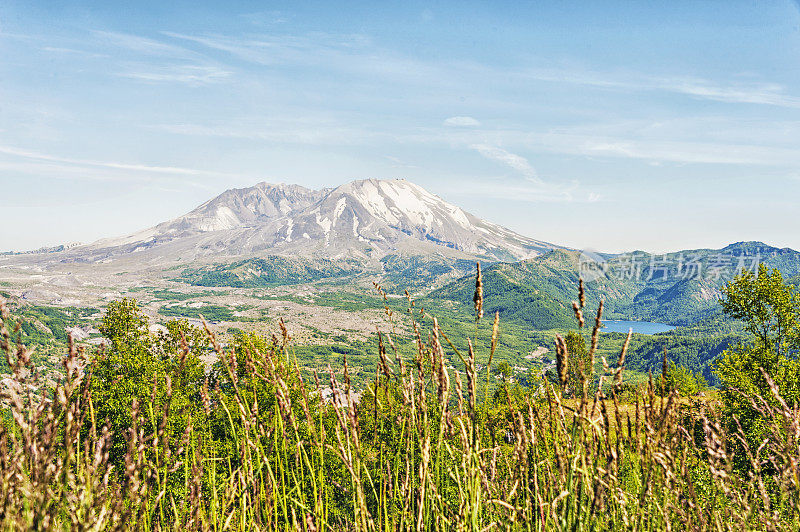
[(268, 271), (418, 271), (208, 312), (144, 369), (682, 381), (261, 449), (503, 370), (696, 354), (169, 295), (514, 300), (579, 368), (634, 286), (45, 328), (42, 325), (769, 309)]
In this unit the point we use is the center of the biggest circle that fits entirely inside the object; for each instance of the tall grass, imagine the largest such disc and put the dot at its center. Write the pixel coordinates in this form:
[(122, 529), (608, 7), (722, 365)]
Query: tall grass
[(417, 452)]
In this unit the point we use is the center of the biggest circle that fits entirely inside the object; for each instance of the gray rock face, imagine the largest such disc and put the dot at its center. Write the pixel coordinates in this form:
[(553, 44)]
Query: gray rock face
[(367, 219)]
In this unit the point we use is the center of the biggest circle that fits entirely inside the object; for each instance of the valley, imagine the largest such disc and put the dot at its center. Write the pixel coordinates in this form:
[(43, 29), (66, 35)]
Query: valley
[(251, 257)]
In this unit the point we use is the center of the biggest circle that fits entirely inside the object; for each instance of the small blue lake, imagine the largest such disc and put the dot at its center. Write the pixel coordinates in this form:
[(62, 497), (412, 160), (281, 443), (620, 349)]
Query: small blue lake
[(641, 327)]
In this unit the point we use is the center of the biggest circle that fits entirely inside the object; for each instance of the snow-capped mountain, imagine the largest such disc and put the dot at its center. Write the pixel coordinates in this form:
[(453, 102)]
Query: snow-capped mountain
[(368, 218)]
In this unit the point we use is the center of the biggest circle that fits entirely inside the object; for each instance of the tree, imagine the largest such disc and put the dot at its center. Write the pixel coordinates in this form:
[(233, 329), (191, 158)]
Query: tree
[(503, 370), (683, 381), (137, 365), (770, 309)]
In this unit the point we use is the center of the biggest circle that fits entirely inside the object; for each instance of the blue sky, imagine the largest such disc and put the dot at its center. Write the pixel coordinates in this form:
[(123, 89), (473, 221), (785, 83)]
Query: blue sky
[(608, 125)]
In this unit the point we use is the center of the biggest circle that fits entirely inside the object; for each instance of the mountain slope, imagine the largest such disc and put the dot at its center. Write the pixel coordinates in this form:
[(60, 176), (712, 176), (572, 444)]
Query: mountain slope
[(365, 219), (678, 288), (233, 209)]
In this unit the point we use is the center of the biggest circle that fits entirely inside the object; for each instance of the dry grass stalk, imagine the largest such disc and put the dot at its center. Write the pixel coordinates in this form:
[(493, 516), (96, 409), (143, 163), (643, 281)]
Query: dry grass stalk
[(477, 297)]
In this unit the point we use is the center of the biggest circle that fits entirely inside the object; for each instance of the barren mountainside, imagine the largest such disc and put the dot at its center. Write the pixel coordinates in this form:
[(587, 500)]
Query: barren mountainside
[(361, 219)]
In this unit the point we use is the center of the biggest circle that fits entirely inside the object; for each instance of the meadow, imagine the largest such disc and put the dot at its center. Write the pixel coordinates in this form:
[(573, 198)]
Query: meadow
[(141, 435)]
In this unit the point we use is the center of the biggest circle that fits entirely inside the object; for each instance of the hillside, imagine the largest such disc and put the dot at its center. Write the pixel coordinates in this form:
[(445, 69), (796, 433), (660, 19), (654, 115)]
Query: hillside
[(679, 288)]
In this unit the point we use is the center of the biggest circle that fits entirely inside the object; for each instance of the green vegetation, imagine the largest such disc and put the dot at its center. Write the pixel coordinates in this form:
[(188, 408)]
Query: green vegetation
[(432, 436), (514, 300), (422, 272), (679, 289), (580, 363), (766, 365), (267, 272), (141, 369), (169, 295), (42, 326), (682, 381), (695, 354)]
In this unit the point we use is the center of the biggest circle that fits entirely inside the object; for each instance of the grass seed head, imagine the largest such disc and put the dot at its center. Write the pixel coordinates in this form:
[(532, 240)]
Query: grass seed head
[(562, 360), (477, 298), (578, 314)]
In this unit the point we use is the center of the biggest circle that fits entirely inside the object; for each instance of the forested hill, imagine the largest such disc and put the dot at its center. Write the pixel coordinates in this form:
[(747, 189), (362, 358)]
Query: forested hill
[(679, 288)]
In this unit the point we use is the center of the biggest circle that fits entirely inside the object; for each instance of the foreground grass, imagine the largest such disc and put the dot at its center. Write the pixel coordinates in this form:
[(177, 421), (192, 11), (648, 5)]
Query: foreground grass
[(419, 451)]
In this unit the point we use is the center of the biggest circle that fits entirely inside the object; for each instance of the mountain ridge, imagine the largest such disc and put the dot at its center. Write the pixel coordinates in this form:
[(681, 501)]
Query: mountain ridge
[(365, 219), (679, 288)]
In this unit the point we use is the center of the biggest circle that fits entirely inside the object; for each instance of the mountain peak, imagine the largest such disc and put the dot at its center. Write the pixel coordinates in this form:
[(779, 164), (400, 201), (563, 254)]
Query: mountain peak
[(368, 217)]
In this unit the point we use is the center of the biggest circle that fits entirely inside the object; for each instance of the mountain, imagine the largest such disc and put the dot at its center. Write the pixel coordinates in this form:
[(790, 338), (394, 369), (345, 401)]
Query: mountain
[(680, 288), (365, 220), (231, 210), (402, 235)]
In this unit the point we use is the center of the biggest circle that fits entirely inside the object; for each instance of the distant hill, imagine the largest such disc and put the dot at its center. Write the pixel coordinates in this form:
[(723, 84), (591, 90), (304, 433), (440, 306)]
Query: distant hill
[(678, 288)]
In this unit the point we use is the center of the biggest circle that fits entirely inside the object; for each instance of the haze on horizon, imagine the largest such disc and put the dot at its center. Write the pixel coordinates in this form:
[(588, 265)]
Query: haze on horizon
[(615, 127)]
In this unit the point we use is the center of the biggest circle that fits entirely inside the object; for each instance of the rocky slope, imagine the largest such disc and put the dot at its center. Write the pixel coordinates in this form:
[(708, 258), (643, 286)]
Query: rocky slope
[(365, 219)]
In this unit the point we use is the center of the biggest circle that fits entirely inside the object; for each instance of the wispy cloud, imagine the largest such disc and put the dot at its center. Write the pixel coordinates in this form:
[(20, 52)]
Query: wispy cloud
[(139, 168), (760, 93), (526, 192), (156, 61), (143, 45), (188, 74), (512, 160), (753, 93), (72, 51), (461, 121), (670, 150), (345, 54), (289, 131), (270, 49), (532, 188)]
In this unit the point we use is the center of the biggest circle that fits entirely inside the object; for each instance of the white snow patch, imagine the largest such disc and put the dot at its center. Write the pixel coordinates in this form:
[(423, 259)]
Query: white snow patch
[(324, 223), (372, 199), (289, 230), (408, 201), (224, 218), (284, 206), (340, 206), (355, 230), (458, 216)]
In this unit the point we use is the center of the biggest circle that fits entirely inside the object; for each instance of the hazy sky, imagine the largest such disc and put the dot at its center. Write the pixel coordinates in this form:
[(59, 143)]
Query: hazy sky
[(609, 125)]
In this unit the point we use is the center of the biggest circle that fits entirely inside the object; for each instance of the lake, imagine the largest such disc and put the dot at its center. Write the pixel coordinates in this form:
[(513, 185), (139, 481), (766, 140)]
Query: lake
[(641, 327)]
